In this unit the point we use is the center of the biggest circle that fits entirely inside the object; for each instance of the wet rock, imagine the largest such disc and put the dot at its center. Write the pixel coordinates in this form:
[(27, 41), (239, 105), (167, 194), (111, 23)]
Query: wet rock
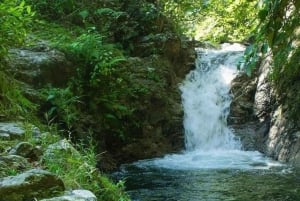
[(39, 65), (75, 195), (27, 150), (263, 95), (30, 185), (243, 90), (11, 131)]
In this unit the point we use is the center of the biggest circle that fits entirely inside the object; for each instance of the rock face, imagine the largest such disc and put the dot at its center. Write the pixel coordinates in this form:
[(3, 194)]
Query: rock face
[(260, 120), (30, 185)]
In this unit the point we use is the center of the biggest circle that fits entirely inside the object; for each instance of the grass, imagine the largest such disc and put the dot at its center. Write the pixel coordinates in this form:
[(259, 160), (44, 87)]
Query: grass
[(13, 104), (77, 168)]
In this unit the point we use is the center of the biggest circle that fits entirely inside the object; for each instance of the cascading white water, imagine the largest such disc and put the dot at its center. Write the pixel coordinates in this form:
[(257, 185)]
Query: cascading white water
[(206, 100)]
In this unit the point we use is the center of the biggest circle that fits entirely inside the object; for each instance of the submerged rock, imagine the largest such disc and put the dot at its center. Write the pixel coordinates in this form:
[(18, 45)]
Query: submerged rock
[(30, 185)]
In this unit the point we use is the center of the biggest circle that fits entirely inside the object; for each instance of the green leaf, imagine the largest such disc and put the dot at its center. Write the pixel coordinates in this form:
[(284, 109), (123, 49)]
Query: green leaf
[(249, 50), (22, 4), (264, 48), (110, 116), (84, 14), (28, 9), (263, 14), (50, 97)]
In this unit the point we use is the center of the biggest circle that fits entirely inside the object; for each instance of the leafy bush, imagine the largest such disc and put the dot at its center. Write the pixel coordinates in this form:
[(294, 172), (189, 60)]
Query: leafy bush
[(54, 9), (99, 59), (15, 16), (62, 107)]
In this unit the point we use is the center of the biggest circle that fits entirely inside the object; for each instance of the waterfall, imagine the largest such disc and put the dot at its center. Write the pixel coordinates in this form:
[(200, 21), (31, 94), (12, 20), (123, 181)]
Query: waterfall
[(210, 143), (206, 99)]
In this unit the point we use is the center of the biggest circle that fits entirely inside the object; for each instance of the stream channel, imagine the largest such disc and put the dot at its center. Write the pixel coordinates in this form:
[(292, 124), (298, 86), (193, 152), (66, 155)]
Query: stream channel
[(213, 166)]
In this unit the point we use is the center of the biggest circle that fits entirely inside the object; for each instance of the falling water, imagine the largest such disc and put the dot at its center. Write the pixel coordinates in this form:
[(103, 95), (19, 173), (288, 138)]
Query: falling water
[(206, 99)]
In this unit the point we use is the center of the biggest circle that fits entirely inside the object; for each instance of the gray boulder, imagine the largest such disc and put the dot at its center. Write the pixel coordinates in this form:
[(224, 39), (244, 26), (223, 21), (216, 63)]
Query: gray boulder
[(60, 148), (39, 65), (75, 195), (11, 131), (30, 185)]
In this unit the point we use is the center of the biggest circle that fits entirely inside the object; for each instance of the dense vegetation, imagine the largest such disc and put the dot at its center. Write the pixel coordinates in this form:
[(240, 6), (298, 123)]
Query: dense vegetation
[(215, 21)]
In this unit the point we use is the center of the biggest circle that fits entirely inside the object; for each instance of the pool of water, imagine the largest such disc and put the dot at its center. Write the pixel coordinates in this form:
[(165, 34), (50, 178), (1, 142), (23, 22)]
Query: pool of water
[(154, 183)]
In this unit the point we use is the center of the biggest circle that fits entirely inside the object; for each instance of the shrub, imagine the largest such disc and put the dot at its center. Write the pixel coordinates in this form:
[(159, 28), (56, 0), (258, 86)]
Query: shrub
[(15, 17)]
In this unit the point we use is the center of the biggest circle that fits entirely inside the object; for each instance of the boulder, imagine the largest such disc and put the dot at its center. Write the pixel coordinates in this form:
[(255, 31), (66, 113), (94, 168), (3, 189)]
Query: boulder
[(30, 185), (39, 65), (11, 131), (75, 195), (61, 147), (27, 150)]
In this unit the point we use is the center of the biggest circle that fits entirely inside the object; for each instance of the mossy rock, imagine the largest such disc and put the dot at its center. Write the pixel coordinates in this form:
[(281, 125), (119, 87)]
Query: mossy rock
[(30, 185)]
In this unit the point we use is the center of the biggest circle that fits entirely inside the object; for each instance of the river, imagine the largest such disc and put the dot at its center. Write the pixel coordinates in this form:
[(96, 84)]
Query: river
[(213, 166)]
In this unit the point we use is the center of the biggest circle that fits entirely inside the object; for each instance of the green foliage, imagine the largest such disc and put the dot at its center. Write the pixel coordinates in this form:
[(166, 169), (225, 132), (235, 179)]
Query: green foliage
[(53, 9), (213, 20), (63, 107), (182, 13), (278, 35), (15, 16), (98, 58), (228, 20)]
